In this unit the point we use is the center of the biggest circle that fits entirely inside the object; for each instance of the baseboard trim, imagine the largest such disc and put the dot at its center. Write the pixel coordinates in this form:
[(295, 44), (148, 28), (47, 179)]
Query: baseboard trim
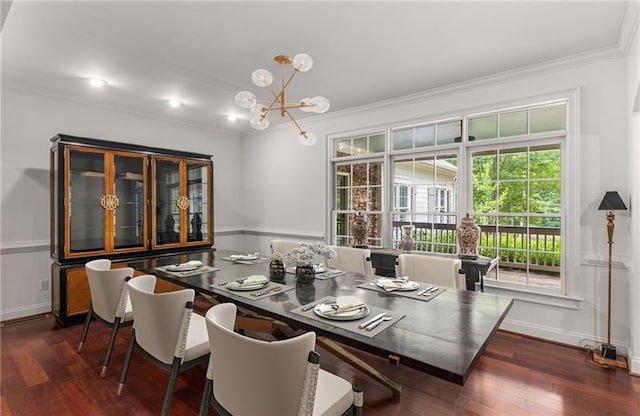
[(25, 311), (560, 336), (18, 247)]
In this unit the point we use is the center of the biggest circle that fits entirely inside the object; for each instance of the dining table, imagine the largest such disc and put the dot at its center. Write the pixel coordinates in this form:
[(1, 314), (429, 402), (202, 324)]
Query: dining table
[(443, 335)]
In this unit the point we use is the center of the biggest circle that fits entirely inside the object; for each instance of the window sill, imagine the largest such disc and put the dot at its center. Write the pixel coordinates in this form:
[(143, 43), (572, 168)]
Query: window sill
[(540, 298)]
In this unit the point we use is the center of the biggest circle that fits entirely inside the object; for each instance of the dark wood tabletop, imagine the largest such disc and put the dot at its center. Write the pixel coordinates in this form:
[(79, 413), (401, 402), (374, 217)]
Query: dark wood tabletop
[(443, 337)]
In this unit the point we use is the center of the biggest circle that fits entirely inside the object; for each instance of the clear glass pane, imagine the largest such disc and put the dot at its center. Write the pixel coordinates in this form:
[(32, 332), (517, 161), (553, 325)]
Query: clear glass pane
[(513, 196), (375, 198), (484, 197), (198, 211), (343, 148), (513, 164), (341, 225), (446, 169), (484, 166), (402, 139), (359, 174), (545, 162), (342, 198), (375, 173), (359, 146), (545, 196), (359, 202), (376, 143), (424, 198), (448, 132), (547, 118), (485, 127), (513, 124), (425, 170), (425, 136), (403, 171), (86, 187), (167, 183), (129, 188)]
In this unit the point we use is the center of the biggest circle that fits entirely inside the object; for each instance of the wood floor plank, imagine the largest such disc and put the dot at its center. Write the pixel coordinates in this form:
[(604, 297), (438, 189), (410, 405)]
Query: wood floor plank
[(42, 373)]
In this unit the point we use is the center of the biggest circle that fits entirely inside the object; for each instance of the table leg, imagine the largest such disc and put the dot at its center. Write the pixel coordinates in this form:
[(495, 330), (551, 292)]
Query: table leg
[(340, 352)]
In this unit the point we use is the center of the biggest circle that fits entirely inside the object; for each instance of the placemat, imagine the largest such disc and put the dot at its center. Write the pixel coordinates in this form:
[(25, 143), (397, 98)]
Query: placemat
[(265, 292), (413, 294), (203, 269), (329, 274), (260, 259), (351, 326)]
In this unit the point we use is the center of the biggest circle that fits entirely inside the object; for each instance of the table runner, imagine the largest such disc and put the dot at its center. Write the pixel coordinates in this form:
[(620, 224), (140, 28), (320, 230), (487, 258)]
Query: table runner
[(351, 326), (413, 294)]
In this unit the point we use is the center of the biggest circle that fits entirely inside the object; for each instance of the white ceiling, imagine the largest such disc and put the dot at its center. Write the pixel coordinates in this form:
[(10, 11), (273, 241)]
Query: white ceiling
[(204, 52)]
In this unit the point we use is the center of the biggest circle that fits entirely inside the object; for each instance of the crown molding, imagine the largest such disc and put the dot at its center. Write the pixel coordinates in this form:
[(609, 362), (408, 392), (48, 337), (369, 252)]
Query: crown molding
[(55, 95), (630, 24)]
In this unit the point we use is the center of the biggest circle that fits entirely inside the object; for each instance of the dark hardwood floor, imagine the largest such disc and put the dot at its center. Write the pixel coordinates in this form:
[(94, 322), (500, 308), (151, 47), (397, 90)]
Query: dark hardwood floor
[(43, 374)]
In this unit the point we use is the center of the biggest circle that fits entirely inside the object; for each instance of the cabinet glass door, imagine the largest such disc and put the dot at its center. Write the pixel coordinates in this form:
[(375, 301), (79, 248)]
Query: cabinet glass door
[(198, 194), (129, 221), (166, 193), (85, 199)]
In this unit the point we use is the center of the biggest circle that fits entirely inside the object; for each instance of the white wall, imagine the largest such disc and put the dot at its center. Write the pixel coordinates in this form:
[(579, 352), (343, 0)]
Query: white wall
[(28, 122), (633, 110), (286, 184)]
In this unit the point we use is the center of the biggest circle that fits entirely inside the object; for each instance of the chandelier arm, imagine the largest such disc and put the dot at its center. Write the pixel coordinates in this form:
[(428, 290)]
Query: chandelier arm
[(302, 132)]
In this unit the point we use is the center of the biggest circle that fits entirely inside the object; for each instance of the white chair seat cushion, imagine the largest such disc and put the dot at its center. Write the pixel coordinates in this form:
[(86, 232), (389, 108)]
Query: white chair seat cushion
[(198, 338), (334, 395)]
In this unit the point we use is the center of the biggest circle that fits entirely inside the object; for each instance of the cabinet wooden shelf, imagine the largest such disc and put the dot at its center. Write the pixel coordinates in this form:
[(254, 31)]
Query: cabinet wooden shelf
[(121, 201)]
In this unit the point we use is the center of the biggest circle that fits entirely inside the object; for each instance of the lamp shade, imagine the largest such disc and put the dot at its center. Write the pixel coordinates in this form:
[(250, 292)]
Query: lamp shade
[(612, 201)]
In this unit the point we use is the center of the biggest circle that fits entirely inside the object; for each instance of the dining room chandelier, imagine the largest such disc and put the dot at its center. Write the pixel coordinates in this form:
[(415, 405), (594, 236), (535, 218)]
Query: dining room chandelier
[(260, 109)]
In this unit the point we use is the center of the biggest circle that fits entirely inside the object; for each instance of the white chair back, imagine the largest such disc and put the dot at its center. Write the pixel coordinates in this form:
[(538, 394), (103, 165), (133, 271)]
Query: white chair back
[(283, 246), (157, 316), (357, 260), (106, 286), (252, 376), (436, 270)]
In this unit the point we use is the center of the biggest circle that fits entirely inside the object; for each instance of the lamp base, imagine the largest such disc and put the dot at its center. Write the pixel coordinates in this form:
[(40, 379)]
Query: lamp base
[(609, 352)]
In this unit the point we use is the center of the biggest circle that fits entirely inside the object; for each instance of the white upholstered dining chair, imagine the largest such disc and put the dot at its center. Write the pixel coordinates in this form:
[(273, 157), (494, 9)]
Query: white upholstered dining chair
[(435, 270), (283, 246), (110, 304), (166, 330), (254, 377), (357, 260)]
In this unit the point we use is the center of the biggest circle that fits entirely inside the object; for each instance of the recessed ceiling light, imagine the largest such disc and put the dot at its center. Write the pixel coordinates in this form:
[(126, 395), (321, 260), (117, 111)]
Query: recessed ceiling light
[(232, 117), (97, 82), (174, 102)]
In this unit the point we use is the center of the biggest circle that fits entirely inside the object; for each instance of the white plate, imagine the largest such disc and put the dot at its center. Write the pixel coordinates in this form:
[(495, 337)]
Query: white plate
[(247, 287), (244, 258), (344, 316), (406, 287), (174, 268)]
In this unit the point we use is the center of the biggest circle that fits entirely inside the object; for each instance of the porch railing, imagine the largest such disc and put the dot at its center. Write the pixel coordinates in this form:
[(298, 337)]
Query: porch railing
[(514, 245)]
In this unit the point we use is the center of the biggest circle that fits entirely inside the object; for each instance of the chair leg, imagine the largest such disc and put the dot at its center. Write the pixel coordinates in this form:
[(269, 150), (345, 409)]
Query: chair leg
[(127, 361), (112, 340), (173, 375), (86, 328), (206, 395), (358, 400)]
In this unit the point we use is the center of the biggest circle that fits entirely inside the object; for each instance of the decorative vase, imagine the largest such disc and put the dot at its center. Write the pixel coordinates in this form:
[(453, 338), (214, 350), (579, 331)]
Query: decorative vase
[(305, 273), (276, 269), (305, 292), (407, 240), (359, 231), (468, 236)]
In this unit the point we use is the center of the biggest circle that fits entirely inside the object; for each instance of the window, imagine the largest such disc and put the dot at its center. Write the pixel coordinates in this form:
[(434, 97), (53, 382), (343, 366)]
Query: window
[(505, 168)]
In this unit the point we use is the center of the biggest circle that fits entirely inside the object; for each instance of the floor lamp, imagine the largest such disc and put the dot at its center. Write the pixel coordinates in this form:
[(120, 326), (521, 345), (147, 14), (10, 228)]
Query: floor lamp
[(610, 202)]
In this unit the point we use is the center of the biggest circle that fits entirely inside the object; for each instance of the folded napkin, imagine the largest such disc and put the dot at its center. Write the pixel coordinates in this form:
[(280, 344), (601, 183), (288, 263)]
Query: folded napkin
[(190, 265), (392, 284), (254, 280), (244, 256), (344, 303)]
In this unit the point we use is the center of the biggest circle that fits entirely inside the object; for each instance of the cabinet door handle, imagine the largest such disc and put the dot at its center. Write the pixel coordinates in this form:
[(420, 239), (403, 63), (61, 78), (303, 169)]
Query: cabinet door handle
[(109, 202), (183, 202)]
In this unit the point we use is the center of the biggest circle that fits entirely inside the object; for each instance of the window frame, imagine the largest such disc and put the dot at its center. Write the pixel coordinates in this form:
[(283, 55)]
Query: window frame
[(566, 296)]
